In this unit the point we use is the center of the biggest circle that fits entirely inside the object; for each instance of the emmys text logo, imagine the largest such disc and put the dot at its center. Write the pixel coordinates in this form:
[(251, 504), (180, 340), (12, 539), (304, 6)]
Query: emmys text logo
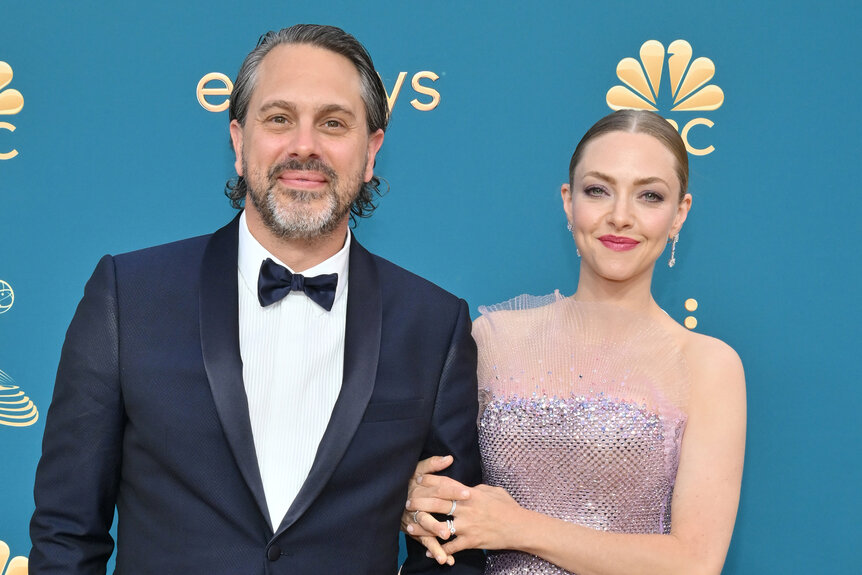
[(11, 102), (689, 91), (214, 91), (16, 409), (17, 566)]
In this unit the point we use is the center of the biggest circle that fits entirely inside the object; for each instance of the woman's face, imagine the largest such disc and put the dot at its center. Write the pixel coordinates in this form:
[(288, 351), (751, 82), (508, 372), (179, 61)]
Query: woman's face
[(624, 204)]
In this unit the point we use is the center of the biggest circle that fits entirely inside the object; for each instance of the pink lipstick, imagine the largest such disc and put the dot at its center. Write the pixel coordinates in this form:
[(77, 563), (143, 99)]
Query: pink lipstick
[(618, 243)]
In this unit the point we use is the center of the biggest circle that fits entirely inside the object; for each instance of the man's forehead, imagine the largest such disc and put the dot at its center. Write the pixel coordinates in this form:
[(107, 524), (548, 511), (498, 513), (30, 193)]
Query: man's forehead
[(303, 62), (305, 74)]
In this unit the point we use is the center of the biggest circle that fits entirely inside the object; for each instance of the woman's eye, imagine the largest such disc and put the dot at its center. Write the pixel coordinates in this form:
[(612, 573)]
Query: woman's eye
[(594, 191), (652, 197)]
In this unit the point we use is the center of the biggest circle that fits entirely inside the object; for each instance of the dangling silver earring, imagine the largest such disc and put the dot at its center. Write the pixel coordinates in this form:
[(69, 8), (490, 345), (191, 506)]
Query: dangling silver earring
[(672, 261), (569, 227)]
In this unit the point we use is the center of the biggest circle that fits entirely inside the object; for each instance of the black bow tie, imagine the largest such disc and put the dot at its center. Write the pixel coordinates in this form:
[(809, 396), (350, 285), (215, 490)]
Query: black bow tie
[(275, 282)]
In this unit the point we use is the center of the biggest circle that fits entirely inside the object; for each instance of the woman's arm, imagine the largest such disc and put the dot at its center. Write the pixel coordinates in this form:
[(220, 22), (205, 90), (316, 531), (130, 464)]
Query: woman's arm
[(704, 504)]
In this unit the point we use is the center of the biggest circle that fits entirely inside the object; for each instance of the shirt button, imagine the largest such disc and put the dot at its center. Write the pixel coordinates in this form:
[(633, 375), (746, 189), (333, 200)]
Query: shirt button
[(273, 553)]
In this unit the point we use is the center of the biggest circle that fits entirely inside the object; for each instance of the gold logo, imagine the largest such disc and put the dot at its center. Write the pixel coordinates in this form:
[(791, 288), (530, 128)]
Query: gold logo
[(17, 566), (688, 79), (16, 409), (7, 297), (11, 102), (206, 88), (217, 85), (419, 88), (691, 306)]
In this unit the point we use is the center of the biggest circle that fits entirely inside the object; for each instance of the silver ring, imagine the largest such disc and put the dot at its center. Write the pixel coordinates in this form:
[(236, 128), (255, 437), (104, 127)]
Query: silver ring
[(452, 510), (450, 523), (415, 513)]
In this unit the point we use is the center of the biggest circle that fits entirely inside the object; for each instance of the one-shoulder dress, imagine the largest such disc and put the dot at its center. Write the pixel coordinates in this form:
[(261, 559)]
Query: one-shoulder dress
[(582, 413)]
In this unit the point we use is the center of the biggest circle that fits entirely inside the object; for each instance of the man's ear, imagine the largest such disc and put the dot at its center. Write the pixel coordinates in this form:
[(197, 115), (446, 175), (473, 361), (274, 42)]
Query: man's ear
[(236, 140), (375, 140)]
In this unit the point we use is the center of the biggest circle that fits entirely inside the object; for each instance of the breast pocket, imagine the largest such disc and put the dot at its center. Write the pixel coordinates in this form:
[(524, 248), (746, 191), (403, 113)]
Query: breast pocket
[(394, 410)]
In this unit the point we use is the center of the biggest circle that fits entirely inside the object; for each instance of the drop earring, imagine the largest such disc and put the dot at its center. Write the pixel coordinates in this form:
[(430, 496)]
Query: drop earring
[(672, 261), (569, 227)]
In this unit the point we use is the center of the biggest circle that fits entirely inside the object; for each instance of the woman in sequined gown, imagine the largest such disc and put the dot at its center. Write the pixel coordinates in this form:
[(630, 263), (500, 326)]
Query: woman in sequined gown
[(612, 438)]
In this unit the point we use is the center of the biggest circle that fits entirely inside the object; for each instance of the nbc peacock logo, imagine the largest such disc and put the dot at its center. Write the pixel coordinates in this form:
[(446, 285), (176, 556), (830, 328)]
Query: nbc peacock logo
[(17, 566), (689, 86), (11, 102), (16, 409)]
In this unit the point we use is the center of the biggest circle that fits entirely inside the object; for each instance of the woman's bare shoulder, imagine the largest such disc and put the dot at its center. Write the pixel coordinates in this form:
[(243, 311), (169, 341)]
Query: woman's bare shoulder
[(710, 352), (716, 371)]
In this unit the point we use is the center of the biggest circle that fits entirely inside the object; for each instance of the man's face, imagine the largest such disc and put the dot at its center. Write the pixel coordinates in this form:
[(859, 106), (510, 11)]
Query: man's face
[(304, 150)]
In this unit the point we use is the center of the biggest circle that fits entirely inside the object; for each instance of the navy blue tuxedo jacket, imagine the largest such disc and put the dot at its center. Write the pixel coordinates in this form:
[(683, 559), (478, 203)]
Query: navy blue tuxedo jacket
[(150, 416)]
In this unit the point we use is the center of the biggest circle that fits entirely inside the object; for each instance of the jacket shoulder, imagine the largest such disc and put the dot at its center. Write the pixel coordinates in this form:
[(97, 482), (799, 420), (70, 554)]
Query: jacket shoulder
[(413, 287), (185, 249)]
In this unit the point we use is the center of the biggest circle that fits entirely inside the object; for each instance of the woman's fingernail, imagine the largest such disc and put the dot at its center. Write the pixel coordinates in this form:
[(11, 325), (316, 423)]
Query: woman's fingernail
[(407, 504), (428, 554), (409, 529), (418, 479)]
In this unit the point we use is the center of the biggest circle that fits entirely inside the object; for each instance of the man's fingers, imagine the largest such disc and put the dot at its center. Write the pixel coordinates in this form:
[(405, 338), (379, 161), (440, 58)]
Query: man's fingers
[(416, 530), (432, 526), (433, 464), (435, 550), (429, 505), (456, 545), (441, 488)]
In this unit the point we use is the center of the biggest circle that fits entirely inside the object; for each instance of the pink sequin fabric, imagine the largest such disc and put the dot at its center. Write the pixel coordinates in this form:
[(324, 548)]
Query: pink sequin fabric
[(582, 411)]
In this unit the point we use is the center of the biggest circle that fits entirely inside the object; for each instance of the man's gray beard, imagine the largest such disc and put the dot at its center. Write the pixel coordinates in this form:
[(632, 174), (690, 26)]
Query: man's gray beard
[(296, 219)]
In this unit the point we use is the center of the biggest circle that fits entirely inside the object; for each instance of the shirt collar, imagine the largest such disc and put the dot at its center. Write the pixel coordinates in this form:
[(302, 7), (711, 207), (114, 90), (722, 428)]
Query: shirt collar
[(251, 254)]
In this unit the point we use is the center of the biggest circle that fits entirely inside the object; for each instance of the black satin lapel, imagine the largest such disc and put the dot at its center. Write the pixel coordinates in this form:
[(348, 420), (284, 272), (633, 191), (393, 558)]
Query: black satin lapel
[(361, 353), (219, 323)]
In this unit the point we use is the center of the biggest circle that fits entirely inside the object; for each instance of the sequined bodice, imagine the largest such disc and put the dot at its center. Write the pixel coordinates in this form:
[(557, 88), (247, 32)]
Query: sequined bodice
[(569, 426)]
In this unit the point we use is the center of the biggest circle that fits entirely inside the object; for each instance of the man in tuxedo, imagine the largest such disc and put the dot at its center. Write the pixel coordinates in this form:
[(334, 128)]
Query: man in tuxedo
[(255, 400)]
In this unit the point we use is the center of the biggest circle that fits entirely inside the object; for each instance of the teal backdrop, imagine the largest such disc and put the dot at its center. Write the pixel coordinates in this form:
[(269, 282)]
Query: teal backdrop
[(115, 152)]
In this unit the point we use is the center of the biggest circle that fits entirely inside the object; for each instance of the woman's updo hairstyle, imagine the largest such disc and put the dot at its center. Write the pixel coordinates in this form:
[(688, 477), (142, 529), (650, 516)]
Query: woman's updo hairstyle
[(638, 122)]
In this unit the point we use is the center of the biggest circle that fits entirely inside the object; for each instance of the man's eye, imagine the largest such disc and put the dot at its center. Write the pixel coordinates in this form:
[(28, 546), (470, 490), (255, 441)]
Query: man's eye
[(278, 120), (333, 124)]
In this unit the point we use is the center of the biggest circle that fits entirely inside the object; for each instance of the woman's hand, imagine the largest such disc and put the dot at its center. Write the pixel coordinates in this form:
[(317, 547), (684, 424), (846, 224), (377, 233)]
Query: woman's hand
[(484, 518), (420, 524)]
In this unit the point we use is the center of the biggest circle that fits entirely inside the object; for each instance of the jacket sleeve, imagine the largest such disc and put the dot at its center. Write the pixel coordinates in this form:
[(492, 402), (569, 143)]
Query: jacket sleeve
[(78, 474), (453, 432)]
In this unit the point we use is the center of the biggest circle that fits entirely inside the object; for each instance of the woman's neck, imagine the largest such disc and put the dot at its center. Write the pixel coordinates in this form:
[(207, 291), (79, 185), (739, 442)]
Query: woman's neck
[(633, 294)]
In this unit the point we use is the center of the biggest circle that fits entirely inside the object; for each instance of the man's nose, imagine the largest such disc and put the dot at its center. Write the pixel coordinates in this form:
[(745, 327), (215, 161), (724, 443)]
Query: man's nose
[(303, 143)]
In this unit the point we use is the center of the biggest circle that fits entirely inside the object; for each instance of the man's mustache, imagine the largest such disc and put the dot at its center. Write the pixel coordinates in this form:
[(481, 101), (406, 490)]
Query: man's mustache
[(310, 165)]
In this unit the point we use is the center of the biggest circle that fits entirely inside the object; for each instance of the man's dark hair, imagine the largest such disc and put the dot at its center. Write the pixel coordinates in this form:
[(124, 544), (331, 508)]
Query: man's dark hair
[(371, 87)]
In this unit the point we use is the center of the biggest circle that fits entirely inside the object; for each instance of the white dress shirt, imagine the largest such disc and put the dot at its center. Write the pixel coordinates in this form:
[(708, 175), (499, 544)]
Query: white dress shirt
[(292, 366)]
